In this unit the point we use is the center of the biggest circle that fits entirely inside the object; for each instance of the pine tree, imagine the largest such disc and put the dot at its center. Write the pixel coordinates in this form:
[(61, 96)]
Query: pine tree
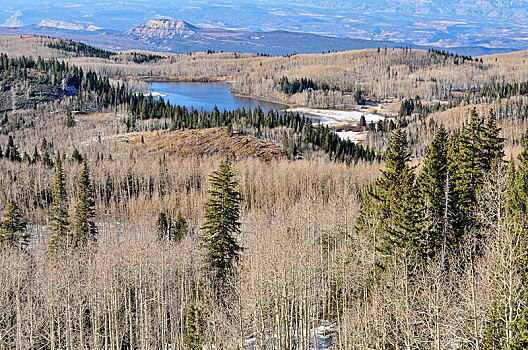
[(492, 143), (179, 227), (70, 122), (222, 224), (195, 329), (13, 228), (465, 169), (397, 197), (85, 228), (432, 183), (162, 225), (59, 221)]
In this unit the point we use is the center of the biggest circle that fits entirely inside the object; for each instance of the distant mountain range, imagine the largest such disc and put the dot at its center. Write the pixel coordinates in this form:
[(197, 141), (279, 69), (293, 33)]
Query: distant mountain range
[(440, 23), (182, 37)]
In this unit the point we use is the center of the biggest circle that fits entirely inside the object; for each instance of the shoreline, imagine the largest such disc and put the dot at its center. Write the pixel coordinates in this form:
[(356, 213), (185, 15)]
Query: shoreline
[(259, 98), (178, 79)]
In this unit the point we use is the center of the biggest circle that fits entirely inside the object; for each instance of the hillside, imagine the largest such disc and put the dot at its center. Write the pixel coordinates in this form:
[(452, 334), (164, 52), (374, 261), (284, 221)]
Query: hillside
[(129, 222), (208, 142)]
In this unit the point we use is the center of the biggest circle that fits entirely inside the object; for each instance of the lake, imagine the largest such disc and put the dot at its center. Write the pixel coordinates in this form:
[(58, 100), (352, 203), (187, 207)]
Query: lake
[(207, 95)]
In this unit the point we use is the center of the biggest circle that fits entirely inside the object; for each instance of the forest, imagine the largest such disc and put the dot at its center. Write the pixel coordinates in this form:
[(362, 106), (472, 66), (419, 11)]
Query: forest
[(109, 239)]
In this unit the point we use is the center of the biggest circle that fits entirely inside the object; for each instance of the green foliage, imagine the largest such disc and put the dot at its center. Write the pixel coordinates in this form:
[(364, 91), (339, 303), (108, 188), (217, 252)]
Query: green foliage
[(13, 228), (179, 227), (70, 122), (76, 155), (145, 58), (495, 333), (79, 48), (417, 218), (359, 96), (397, 200), (432, 183), (168, 228), (222, 224), (492, 143), (146, 107), (85, 228), (162, 225), (195, 329), (475, 151), (59, 221), (297, 86)]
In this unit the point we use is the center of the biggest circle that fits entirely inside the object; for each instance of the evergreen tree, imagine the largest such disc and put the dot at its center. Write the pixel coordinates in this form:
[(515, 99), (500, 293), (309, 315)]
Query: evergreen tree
[(222, 224), (195, 329), (59, 221), (76, 156), (162, 225), (85, 228), (397, 197), (492, 144), (179, 227), (465, 169), (70, 122), (13, 228), (432, 183)]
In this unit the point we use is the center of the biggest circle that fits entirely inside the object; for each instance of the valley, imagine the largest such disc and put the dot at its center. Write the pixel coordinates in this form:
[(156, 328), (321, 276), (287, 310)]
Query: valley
[(364, 199)]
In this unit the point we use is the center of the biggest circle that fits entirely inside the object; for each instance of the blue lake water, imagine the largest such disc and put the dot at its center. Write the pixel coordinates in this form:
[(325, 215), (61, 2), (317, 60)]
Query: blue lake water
[(207, 95)]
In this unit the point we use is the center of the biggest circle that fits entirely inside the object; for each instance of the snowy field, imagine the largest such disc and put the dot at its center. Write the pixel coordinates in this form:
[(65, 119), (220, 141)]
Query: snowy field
[(332, 117)]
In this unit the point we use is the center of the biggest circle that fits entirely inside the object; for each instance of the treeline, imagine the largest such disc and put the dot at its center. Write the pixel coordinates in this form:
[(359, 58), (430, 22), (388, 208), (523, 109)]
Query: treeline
[(181, 118), (60, 73), (297, 86), (457, 58), (145, 58), (79, 48), (505, 90)]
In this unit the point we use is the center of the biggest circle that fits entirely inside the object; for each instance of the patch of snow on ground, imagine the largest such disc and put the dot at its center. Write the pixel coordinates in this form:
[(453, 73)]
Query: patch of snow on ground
[(352, 135), (151, 93), (332, 117), (320, 338)]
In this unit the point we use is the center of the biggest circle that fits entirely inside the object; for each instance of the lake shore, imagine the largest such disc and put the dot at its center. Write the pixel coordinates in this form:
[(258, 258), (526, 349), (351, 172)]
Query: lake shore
[(260, 98), (178, 79)]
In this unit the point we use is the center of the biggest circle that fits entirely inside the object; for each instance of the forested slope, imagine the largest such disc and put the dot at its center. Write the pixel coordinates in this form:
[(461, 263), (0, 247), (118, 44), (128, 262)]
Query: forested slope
[(122, 228)]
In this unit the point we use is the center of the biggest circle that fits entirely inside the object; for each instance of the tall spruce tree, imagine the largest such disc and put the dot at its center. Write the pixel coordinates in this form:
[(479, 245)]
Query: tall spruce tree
[(13, 228), (85, 228), (492, 143), (432, 183), (465, 169), (470, 155), (59, 221), (397, 197), (179, 227), (195, 329), (222, 224)]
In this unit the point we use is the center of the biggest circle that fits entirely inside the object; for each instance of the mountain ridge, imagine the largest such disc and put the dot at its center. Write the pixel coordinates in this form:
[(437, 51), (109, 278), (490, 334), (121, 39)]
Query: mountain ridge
[(179, 36)]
